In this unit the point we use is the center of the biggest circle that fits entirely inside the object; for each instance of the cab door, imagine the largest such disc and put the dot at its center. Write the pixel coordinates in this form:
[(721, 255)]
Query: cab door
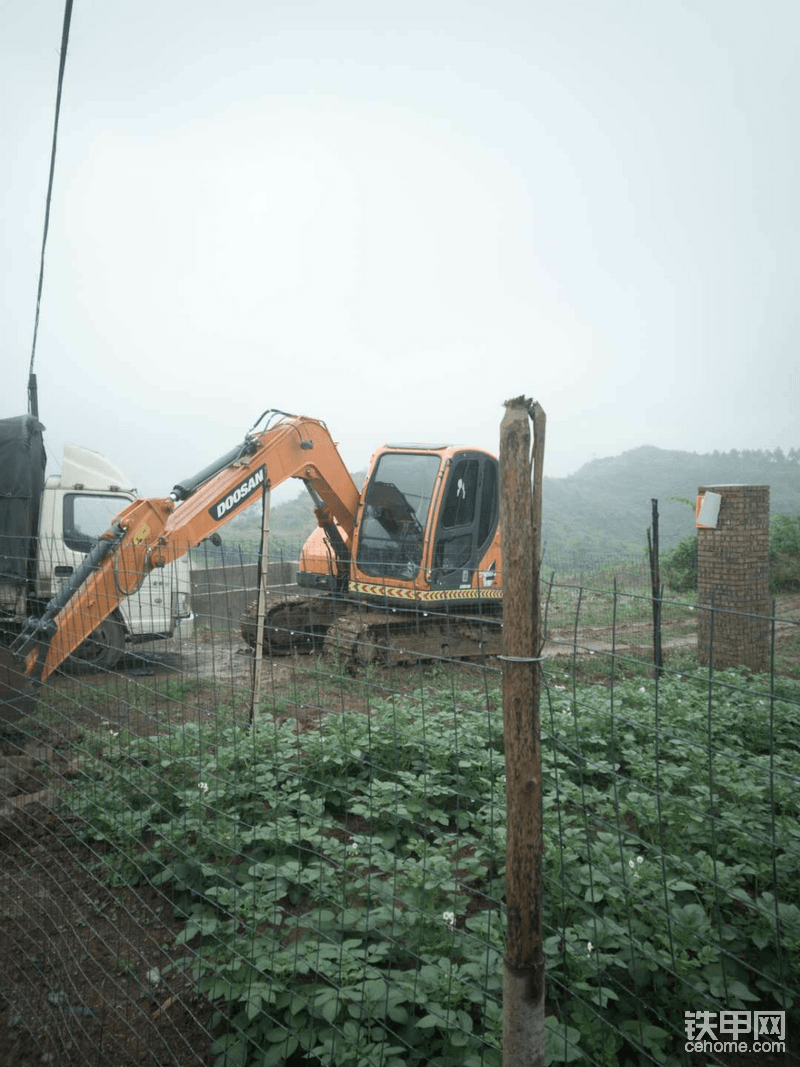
[(467, 520)]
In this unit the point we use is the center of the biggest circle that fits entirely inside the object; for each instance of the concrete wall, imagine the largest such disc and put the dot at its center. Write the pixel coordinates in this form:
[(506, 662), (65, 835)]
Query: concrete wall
[(221, 594), (733, 576)]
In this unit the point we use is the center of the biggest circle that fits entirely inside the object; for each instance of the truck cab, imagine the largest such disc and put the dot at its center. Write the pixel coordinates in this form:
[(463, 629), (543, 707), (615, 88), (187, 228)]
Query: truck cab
[(77, 506)]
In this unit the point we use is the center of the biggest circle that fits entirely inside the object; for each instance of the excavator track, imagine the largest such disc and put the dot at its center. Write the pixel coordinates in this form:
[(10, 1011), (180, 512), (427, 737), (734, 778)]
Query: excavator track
[(360, 637), (291, 623), (344, 642)]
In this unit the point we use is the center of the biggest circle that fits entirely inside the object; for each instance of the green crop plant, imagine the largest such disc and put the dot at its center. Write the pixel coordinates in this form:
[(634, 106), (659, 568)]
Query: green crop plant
[(341, 886)]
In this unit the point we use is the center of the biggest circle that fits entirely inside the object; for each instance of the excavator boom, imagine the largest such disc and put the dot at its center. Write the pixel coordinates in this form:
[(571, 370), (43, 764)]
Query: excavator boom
[(151, 533)]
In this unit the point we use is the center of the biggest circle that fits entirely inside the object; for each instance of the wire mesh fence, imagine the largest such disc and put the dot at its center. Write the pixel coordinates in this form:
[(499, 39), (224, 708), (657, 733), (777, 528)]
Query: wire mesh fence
[(322, 882)]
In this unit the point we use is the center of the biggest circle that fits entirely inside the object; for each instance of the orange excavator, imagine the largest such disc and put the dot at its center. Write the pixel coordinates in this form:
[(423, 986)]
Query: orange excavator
[(384, 571)]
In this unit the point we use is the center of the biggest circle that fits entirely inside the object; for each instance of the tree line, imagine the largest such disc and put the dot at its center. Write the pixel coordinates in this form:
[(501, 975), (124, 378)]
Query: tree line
[(679, 566)]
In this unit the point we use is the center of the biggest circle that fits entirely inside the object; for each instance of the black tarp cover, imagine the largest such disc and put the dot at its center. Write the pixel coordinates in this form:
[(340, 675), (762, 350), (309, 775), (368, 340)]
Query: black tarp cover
[(22, 463)]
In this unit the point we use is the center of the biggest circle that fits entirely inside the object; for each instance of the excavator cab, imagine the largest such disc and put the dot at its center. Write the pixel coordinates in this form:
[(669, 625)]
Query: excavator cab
[(428, 527)]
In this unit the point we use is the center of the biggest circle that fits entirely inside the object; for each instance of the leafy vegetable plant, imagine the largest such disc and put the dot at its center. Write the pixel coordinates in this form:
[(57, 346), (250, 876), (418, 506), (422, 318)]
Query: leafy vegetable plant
[(342, 887)]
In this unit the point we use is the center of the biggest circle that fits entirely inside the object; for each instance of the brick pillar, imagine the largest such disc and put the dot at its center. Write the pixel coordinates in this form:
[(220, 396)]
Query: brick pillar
[(733, 568)]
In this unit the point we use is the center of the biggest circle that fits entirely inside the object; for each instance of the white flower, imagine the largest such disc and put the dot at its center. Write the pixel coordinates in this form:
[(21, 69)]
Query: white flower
[(449, 917), (203, 787), (642, 689), (154, 976), (631, 864), (353, 848), (114, 733), (589, 947), (640, 859)]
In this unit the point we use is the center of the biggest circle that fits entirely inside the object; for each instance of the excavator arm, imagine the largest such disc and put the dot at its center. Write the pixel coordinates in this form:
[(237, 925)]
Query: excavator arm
[(151, 533)]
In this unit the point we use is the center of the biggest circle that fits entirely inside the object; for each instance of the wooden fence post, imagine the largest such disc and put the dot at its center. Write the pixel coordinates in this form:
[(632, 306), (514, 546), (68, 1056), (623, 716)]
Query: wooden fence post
[(520, 519)]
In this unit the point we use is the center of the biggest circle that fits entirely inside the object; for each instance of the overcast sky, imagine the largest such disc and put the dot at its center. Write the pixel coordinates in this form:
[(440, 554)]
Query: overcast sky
[(395, 216)]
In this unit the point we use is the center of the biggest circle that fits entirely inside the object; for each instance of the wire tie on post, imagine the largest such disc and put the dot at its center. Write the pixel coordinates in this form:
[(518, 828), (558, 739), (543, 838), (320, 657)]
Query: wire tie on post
[(522, 659)]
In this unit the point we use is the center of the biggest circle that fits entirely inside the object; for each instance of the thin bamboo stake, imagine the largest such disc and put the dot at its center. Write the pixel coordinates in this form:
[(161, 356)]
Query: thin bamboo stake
[(263, 578)]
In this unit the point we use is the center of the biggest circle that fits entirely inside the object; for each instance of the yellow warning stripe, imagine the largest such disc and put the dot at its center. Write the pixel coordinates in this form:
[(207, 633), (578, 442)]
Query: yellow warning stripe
[(427, 595)]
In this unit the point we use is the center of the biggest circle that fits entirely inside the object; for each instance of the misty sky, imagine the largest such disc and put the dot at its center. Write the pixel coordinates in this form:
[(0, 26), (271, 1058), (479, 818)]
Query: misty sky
[(396, 216)]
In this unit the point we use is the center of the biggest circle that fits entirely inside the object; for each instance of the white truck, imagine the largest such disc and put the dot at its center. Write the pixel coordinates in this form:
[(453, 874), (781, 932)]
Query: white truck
[(48, 525)]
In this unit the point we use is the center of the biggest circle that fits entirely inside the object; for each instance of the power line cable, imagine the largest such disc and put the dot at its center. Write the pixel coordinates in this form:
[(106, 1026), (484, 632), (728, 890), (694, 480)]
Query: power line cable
[(32, 395)]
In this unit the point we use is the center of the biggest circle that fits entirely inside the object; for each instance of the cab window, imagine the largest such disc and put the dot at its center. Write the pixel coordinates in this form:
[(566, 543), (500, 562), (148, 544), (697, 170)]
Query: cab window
[(395, 515), (459, 504), (86, 516)]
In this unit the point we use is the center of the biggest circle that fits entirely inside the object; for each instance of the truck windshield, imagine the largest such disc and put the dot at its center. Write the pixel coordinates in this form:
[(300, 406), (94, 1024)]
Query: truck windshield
[(396, 509), (86, 516)]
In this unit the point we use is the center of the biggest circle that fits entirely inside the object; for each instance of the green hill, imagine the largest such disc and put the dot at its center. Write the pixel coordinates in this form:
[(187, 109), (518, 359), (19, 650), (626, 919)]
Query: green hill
[(601, 512), (604, 509)]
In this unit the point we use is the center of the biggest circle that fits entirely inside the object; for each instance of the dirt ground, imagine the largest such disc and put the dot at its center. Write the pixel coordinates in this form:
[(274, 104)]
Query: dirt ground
[(81, 983), (82, 980)]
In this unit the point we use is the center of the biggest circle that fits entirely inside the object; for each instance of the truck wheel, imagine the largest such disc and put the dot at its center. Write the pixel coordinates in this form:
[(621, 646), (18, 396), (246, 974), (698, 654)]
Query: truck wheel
[(102, 649)]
